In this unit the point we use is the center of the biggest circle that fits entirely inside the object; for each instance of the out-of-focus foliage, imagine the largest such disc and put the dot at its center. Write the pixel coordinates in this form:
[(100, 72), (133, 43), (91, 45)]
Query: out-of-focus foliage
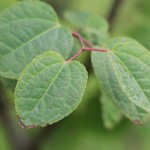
[(6, 3), (111, 115), (133, 20), (4, 139)]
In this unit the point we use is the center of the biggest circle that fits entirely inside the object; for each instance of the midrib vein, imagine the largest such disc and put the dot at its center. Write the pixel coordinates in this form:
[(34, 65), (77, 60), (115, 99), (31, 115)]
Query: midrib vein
[(46, 91)]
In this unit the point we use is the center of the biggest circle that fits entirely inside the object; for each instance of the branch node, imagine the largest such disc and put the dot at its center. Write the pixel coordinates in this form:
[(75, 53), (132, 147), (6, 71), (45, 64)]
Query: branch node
[(84, 42)]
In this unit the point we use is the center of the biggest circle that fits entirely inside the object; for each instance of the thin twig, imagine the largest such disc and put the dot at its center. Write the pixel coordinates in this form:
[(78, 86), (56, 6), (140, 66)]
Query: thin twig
[(74, 56), (113, 12), (81, 39), (84, 47)]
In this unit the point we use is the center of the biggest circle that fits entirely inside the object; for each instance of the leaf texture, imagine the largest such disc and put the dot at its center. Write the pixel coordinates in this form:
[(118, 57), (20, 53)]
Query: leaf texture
[(28, 29), (49, 89), (124, 73)]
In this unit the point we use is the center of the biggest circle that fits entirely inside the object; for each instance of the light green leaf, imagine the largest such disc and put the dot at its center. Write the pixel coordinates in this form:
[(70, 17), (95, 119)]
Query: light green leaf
[(26, 30), (49, 89), (124, 73), (111, 115)]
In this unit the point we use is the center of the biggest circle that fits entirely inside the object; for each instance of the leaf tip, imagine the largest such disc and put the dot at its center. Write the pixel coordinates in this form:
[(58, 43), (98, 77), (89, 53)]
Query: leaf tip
[(24, 126), (137, 122)]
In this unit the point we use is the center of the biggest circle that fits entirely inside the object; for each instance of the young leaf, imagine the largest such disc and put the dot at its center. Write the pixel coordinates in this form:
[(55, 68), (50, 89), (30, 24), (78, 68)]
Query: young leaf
[(124, 73), (49, 89), (111, 115), (94, 28), (27, 30)]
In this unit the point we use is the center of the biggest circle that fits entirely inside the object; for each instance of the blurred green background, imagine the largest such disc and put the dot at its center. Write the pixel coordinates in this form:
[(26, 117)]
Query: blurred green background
[(84, 129)]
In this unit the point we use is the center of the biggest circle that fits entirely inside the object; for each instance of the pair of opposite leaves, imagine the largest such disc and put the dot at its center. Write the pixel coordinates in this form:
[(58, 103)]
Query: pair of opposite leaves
[(48, 88)]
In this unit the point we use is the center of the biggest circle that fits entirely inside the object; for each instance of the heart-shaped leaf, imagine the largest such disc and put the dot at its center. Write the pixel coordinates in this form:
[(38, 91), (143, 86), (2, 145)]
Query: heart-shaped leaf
[(49, 89), (124, 73), (26, 30)]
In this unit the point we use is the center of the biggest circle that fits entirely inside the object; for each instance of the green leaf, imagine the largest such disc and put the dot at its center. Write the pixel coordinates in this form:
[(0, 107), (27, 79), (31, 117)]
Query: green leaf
[(27, 30), (49, 89), (124, 73), (111, 115)]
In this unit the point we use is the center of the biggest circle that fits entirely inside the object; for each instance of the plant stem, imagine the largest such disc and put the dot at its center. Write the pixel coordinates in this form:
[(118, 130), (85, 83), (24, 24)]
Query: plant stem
[(84, 42), (81, 39), (95, 49), (85, 49), (74, 56)]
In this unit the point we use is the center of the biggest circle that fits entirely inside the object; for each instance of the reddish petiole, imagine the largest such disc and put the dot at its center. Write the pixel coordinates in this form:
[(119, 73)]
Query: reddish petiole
[(83, 43)]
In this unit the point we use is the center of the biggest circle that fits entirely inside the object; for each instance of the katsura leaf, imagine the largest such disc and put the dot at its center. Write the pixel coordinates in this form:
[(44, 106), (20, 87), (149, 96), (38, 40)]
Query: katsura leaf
[(49, 89), (124, 73), (28, 29)]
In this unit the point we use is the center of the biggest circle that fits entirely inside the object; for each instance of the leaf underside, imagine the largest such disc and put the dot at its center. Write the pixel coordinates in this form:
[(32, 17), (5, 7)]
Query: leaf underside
[(124, 73), (49, 89), (26, 30)]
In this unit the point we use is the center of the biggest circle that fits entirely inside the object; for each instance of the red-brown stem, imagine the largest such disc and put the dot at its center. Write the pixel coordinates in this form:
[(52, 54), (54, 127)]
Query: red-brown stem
[(95, 49), (76, 35), (87, 42), (84, 48), (76, 55), (81, 39)]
